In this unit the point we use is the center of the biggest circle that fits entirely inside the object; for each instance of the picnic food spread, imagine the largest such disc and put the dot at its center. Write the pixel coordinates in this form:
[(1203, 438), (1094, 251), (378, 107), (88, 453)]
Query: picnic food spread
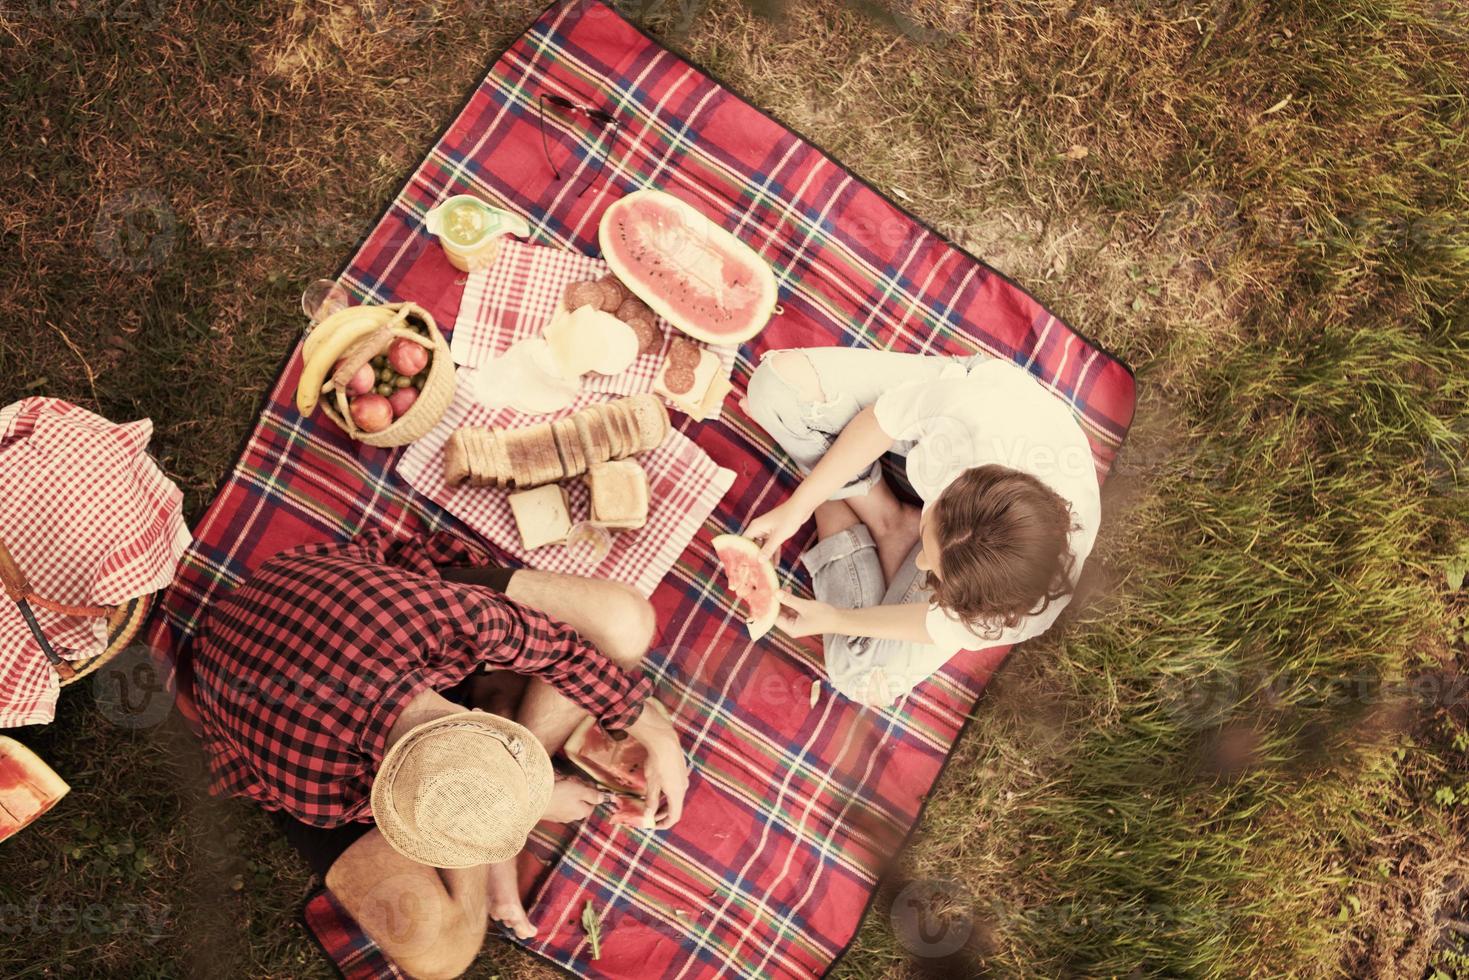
[(596, 441), (693, 273), (752, 579)]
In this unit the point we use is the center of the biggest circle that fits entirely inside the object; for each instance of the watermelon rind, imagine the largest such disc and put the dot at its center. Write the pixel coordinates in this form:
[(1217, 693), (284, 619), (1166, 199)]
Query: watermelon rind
[(742, 547), (649, 294)]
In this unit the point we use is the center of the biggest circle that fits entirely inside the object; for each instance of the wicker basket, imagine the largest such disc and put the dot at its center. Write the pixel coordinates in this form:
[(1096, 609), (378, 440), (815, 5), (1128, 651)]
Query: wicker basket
[(123, 626), (433, 399)]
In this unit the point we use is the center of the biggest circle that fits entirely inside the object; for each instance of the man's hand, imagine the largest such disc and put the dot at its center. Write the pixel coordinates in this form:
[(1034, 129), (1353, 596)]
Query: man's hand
[(666, 771), (774, 527), (572, 800), (806, 617)]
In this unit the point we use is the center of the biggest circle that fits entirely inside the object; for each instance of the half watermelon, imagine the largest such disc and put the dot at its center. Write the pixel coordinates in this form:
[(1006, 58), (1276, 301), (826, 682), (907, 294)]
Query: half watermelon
[(692, 272), (752, 579)]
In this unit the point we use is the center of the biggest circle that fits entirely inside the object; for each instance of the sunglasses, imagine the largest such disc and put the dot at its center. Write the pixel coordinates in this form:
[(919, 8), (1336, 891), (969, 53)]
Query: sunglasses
[(601, 117)]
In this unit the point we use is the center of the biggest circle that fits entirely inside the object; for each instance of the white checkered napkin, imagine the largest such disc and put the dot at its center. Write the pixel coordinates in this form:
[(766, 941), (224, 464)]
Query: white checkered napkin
[(684, 487), (517, 296)]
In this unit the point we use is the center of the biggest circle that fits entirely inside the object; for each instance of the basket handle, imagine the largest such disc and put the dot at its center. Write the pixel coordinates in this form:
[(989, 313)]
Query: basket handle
[(12, 577), (18, 588)]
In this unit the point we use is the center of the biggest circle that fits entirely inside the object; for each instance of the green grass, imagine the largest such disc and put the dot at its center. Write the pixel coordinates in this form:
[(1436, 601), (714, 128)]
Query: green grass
[(1218, 768)]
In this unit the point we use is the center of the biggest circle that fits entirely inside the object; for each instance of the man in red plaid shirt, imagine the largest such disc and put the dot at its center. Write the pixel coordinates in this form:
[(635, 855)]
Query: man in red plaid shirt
[(333, 687)]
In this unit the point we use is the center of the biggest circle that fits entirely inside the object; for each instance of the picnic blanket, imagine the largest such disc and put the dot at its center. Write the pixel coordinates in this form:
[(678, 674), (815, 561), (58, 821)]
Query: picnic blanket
[(793, 810), (511, 301)]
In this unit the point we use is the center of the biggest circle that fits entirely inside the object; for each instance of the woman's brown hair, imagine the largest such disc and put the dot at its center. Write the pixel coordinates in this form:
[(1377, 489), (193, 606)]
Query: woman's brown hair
[(1003, 547)]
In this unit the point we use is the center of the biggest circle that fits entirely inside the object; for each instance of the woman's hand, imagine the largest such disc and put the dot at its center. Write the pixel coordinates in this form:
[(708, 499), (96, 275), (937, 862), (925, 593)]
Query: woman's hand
[(774, 527), (807, 617), (666, 771), (572, 800)]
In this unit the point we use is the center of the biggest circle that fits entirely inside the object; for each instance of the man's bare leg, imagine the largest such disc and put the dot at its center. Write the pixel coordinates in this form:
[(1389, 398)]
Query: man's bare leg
[(611, 616), (615, 619), (429, 922)]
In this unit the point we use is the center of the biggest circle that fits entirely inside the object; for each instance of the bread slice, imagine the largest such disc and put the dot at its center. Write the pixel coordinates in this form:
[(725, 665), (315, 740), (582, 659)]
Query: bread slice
[(456, 459), (496, 463), (543, 452), (684, 386), (651, 420), (568, 447), (593, 437), (628, 428), (619, 492), (517, 454), (609, 425), (541, 515), (480, 471)]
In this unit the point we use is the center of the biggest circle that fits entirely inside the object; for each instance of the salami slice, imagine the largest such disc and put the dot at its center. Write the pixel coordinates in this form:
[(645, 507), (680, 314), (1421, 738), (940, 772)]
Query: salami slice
[(678, 379), (683, 353), (588, 292)]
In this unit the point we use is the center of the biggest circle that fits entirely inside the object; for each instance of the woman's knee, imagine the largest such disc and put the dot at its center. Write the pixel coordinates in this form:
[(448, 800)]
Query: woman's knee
[(781, 387)]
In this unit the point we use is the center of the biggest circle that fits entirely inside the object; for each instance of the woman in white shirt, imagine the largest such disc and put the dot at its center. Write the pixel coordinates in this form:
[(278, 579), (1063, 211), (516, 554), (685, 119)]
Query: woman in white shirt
[(1010, 507)]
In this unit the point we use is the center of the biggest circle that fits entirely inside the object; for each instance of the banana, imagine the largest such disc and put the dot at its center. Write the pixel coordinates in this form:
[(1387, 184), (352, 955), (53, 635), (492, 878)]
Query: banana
[(330, 325), (326, 353)]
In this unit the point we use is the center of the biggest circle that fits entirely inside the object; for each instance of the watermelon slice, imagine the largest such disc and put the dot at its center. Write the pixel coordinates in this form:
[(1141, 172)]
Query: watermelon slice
[(692, 272), (752, 579), (28, 787), (617, 766)]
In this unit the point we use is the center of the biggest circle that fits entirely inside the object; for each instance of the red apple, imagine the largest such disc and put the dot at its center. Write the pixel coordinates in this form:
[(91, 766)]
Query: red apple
[(362, 381), (372, 413), (403, 399), (407, 356)]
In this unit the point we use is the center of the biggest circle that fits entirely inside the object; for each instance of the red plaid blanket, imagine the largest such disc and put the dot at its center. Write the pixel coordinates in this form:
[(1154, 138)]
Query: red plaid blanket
[(792, 810)]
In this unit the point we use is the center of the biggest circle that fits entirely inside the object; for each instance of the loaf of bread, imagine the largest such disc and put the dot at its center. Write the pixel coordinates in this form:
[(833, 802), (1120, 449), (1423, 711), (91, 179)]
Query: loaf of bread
[(548, 452)]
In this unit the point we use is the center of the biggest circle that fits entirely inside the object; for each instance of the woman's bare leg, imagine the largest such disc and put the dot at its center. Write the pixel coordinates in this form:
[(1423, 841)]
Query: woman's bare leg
[(893, 524), (834, 517)]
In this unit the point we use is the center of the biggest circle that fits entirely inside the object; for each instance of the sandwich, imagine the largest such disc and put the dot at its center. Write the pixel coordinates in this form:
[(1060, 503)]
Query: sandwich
[(619, 492), (693, 380)]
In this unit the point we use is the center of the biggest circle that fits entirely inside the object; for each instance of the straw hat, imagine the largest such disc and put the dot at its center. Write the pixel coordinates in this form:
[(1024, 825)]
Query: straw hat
[(462, 790)]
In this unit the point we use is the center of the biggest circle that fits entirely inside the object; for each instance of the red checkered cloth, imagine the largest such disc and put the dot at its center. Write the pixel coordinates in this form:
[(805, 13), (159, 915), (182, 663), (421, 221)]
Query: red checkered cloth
[(793, 811), (90, 520), (511, 301)]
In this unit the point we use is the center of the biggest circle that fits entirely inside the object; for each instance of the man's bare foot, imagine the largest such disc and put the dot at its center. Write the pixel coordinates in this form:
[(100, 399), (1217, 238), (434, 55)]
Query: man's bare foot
[(504, 896)]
